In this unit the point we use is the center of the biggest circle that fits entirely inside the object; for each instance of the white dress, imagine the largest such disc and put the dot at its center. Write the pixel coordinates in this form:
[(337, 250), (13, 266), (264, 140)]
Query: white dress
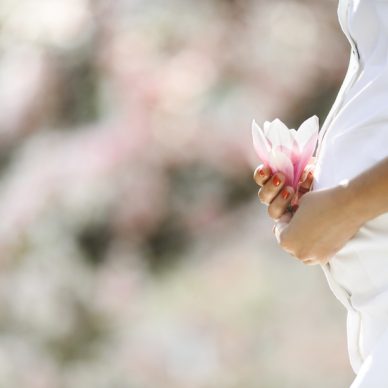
[(353, 138)]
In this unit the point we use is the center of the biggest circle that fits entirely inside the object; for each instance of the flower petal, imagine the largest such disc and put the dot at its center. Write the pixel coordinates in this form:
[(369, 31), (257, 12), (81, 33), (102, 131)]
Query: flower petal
[(308, 128), (284, 150), (278, 161), (266, 127), (305, 157), (260, 143), (278, 134), (293, 133), (295, 155)]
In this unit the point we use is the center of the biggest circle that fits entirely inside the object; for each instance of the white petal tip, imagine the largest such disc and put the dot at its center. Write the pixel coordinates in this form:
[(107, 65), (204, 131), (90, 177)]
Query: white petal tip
[(256, 127), (313, 119), (277, 121)]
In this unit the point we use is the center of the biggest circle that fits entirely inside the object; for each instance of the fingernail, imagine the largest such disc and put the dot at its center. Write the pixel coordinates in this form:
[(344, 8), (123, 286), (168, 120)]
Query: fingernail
[(276, 181), (285, 194), (261, 172)]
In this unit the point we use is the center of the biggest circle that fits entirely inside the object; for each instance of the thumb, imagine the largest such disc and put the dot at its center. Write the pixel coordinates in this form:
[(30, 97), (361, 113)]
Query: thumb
[(281, 225)]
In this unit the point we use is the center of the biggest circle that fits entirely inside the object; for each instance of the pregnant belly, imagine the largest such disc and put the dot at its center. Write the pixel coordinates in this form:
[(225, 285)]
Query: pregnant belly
[(361, 267)]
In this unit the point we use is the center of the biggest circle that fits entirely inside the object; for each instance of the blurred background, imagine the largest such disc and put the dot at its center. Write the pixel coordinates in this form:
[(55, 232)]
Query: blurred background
[(133, 250)]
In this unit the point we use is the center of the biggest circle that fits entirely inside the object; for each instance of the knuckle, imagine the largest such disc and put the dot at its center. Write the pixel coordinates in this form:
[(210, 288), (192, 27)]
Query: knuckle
[(288, 244), (285, 242), (269, 193), (263, 196), (302, 255), (274, 212)]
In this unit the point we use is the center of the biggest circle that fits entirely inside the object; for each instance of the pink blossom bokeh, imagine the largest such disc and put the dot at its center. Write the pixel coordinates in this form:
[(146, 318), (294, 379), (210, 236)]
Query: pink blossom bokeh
[(133, 250)]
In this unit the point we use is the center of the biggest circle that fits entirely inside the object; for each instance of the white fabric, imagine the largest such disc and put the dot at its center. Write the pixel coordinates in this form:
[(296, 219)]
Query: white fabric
[(354, 137)]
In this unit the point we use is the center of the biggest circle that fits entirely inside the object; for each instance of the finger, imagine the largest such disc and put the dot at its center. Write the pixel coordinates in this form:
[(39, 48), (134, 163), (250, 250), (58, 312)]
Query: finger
[(281, 225), (306, 182), (309, 262), (271, 188), (308, 174), (310, 167), (279, 205), (316, 260), (262, 174)]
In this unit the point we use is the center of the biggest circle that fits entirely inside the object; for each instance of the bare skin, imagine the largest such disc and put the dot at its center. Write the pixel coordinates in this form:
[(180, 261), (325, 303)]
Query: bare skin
[(325, 219)]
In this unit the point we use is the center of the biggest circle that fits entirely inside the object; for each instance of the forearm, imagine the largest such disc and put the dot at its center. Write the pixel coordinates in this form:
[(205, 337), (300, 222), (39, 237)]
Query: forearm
[(368, 192)]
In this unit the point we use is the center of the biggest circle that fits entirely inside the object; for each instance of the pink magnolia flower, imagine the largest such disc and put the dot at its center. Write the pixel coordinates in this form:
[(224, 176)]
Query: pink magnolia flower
[(286, 150)]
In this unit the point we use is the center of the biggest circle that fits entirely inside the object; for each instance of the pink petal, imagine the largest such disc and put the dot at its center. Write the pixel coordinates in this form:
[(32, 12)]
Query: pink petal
[(267, 125), (284, 150), (279, 134), (308, 128), (305, 157), (278, 161), (295, 152), (260, 143), (293, 133)]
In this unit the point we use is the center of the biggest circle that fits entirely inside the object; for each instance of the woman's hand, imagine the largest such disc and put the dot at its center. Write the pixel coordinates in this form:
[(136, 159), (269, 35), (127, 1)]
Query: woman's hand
[(275, 194), (327, 219), (324, 222)]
